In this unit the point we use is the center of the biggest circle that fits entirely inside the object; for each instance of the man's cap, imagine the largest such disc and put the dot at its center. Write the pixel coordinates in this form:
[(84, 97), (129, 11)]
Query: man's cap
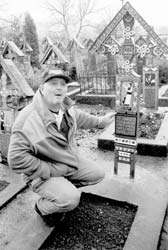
[(50, 74)]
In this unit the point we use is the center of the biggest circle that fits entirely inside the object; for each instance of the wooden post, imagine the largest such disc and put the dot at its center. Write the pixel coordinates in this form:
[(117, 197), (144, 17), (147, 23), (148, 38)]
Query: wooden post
[(132, 166), (115, 162)]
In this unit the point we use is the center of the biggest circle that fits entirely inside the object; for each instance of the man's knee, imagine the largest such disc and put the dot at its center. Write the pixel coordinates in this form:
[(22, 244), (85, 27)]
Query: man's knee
[(90, 173), (62, 203), (96, 177), (58, 195), (99, 175), (73, 199)]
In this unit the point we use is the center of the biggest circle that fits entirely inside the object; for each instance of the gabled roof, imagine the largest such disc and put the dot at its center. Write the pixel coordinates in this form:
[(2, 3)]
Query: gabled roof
[(16, 77), (61, 45), (2, 43), (57, 51), (75, 41), (87, 42), (26, 47), (127, 7), (48, 40), (13, 47)]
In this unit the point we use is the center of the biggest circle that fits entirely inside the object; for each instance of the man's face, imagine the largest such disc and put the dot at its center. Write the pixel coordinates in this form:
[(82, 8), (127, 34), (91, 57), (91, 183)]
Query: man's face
[(54, 91)]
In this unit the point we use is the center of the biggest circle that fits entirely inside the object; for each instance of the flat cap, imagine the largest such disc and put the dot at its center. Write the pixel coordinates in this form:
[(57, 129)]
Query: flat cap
[(56, 73)]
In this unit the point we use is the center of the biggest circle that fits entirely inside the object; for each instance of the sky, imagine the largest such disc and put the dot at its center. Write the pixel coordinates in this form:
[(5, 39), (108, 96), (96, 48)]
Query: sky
[(155, 12)]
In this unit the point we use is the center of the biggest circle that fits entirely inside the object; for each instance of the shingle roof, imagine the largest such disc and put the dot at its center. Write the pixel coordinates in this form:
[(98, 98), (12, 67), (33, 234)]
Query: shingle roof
[(13, 47), (57, 51), (16, 77), (61, 45), (48, 40), (77, 42), (25, 46), (87, 42)]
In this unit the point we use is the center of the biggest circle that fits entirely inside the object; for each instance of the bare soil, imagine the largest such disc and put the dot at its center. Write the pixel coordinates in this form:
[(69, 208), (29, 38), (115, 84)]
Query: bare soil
[(98, 223)]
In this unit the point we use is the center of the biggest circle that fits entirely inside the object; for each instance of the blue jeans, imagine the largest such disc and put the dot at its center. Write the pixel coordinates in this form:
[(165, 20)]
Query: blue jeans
[(60, 193)]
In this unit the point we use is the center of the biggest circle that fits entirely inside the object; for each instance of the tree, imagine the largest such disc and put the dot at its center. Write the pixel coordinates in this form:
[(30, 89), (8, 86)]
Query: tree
[(71, 16), (14, 31), (5, 23), (30, 36)]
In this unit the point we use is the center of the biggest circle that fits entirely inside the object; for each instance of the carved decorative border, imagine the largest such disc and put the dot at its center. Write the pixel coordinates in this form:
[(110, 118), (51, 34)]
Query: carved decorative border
[(117, 19)]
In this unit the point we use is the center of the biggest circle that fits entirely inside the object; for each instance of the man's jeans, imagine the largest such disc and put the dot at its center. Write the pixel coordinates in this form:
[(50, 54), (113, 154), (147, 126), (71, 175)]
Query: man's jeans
[(60, 194)]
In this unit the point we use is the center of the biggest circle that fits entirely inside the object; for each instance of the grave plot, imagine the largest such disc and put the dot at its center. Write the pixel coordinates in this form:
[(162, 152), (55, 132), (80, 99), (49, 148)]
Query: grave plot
[(149, 124), (118, 213), (97, 223), (145, 230), (153, 137)]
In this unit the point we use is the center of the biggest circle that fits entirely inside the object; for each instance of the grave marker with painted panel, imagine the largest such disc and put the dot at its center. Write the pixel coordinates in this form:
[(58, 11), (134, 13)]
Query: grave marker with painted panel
[(127, 103), (126, 119), (15, 94), (128, 81)]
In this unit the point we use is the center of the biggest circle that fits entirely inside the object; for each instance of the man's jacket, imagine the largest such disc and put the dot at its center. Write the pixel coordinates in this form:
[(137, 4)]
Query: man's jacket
[(37, 148)]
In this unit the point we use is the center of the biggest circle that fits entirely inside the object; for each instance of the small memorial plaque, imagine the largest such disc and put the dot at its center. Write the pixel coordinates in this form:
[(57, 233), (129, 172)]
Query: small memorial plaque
[(128, 49), (150, 87), (150, 97), (125, 125)]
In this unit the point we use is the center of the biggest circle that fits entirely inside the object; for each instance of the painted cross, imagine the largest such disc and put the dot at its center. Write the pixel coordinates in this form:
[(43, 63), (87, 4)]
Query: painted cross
[(127, 96), (127, 87)]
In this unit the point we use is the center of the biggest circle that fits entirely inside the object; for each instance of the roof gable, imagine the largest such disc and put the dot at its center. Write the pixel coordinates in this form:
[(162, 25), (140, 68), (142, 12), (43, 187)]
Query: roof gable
[(76, 42), (88, 43), (127, 7), (16, 77), (13, 47), (57, 51), (61, 45), (47, 40), (26, 47)]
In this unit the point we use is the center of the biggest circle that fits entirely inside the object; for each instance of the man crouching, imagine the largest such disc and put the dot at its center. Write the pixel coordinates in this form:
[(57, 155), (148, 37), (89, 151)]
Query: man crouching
[(42, 147)]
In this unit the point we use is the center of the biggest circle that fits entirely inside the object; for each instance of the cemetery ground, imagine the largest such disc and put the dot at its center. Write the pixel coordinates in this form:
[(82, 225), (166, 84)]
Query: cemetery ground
[(17, 215)]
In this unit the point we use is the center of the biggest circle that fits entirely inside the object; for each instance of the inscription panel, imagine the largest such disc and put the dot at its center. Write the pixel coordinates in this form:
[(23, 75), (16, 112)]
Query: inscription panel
[(125, 125)]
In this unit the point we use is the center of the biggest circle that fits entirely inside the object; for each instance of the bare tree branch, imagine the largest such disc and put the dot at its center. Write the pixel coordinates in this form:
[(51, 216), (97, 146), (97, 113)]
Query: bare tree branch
[(85, 10), (72, 15), (61, 12)]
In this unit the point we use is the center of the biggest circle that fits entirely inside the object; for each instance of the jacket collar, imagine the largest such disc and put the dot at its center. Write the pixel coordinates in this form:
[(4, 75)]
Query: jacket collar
[(41, 107)]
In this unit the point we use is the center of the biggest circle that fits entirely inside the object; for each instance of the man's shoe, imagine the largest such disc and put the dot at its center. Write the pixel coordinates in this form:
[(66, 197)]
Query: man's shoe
[(50, 219)]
